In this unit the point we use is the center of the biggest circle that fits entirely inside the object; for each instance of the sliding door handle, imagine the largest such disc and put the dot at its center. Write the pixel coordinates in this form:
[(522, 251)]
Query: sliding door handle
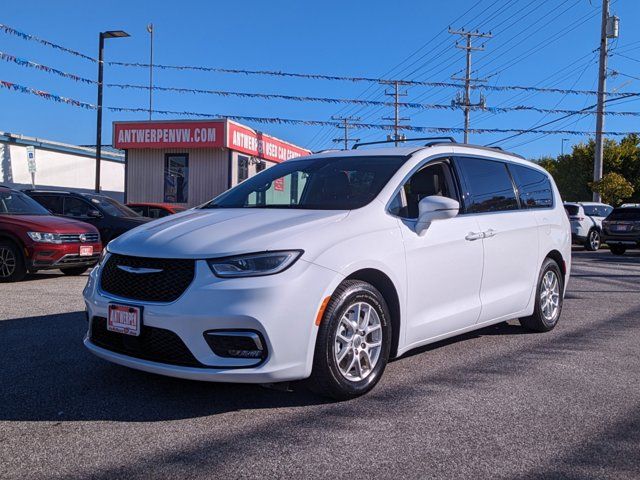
[(471, 236)]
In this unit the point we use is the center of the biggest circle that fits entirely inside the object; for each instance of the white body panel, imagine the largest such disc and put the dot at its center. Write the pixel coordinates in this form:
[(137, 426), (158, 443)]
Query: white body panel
[(446, 284)]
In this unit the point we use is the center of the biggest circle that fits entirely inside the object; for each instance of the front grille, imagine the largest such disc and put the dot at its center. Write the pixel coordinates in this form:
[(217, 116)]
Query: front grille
[(75, 237), (165, 285), (154, 344)]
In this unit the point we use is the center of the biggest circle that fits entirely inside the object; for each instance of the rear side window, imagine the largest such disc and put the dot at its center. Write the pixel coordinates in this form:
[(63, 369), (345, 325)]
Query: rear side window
[(52, 203), (139, 209), (534, 187), (572, 210), (488, 186), (75, 207)]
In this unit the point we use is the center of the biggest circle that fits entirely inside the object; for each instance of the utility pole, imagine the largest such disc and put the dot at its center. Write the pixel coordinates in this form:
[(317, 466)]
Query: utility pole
[(150, 30), (465, 102), (396, 94), (345, 126), (608, 29)]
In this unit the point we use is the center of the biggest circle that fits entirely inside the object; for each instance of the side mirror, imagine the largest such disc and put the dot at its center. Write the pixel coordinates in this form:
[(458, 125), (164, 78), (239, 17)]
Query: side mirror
[(94, 214), (435, 207)]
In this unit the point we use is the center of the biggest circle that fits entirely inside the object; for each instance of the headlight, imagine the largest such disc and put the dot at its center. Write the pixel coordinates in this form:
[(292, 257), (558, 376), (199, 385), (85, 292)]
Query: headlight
[(45, 237), (254, 264)]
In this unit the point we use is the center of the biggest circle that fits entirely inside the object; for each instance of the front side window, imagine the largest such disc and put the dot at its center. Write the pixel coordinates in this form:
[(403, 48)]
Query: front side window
[(176, 178), (17, 203), (534, 187), (111, 206), (433, 179), (489, 187), (341, 183)]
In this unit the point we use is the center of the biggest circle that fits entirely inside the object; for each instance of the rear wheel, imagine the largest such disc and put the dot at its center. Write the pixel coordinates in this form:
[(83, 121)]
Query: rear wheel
[(12, 267), (548, 304), (617, 249), (73, 271), (353, 343), (593, 240)]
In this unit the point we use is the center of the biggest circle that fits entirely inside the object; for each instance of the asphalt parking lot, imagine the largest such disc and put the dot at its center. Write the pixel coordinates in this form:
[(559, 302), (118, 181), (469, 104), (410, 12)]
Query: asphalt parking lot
[(499, 403)]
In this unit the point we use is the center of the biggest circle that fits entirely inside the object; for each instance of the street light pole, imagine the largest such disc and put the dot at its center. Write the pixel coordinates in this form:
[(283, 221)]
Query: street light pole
[(103, 35)]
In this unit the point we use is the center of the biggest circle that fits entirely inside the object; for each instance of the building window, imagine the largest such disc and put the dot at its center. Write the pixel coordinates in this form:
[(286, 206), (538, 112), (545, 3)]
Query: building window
[(176, 178), (243, 168)]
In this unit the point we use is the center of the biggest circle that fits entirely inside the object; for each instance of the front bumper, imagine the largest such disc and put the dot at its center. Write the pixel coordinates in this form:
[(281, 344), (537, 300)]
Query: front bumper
[(282, 308), (47, 256)]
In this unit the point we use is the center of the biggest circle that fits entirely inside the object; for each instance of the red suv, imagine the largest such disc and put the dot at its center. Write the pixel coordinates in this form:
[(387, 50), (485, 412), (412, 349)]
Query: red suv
[(32, 239)]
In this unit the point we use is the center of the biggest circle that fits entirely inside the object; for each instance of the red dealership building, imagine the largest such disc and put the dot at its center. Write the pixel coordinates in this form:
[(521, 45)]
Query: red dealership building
[(189, 162)]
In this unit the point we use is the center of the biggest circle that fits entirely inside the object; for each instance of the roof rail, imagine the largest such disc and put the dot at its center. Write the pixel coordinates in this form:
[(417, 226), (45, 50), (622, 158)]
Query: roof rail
[(432, 141)]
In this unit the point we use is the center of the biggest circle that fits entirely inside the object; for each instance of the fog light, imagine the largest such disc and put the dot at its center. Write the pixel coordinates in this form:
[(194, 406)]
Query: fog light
[(236, 344)]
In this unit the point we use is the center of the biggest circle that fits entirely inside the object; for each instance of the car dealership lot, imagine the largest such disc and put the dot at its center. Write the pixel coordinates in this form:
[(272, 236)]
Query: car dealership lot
[(499, 403)]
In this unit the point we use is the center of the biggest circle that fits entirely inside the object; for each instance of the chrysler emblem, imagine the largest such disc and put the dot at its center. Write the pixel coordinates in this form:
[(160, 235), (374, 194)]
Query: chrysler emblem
[(139, 270)]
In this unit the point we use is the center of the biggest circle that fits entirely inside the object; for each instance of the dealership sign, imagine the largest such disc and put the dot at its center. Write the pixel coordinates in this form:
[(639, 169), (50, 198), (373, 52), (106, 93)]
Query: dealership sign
[(168, 134), (203, 134)]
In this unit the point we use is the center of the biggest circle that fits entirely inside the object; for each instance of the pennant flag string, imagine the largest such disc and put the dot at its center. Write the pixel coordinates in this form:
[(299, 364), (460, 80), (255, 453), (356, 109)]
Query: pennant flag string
[(12, 31), (317, 76), (416, 106), (29, 64), (271, 96), (289, 121), (46, 95), (364, 126)]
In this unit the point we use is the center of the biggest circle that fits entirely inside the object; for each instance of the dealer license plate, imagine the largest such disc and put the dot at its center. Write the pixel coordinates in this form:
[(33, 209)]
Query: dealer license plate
[(124, 319), (86, 250)]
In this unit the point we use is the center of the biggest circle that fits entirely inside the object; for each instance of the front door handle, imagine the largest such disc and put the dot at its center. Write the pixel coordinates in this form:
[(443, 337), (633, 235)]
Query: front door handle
[(490, 233), (471, 236)]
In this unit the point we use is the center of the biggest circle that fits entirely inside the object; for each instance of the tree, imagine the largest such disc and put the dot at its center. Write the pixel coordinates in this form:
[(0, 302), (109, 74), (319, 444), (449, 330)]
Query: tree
[(573, 172), (613, 188)]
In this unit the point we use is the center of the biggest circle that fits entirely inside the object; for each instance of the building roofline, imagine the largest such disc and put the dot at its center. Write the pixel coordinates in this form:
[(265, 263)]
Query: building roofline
[(19, 139)]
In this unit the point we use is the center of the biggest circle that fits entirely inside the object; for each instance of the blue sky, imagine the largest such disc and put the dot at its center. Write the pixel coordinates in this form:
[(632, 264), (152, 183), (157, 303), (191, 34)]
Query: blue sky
[(544, 43)]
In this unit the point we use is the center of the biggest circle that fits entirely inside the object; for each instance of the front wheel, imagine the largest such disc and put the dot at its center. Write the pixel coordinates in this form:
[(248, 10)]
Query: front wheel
[(549, 294), (353, 343), (73, 271), (12, 267), (617, 249), (593, 240)]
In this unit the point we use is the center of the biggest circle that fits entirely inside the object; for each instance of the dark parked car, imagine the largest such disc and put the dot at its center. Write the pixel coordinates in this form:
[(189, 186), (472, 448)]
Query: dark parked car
[(621, 229), (110, 217), (32, 239), (155, 210)]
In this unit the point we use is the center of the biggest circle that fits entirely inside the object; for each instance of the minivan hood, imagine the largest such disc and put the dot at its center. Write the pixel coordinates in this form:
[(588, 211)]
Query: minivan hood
[(47, 223), (206, 233)]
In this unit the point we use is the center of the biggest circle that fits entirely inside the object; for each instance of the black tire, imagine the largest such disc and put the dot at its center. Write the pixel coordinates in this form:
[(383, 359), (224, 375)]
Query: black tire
[(12, 265), (73, 271), (593, 241), (326, 377), (539, 321), (617, 249)]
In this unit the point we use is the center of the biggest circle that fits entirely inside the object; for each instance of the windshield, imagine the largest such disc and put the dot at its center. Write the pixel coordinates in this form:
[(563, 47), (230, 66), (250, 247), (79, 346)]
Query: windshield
[(342, 183), (625, 213), (111, 207), (16, 203)]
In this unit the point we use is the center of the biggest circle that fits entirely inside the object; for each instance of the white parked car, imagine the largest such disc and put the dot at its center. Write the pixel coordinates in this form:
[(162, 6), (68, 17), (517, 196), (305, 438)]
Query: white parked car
[(325, 267), (586, 222)]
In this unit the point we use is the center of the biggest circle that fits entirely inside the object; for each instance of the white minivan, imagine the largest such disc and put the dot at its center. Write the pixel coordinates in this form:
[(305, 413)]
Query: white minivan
[(324, 267)]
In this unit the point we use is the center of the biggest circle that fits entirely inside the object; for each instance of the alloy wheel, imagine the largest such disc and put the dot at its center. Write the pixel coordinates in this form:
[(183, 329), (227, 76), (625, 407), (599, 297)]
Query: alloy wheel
[(594, 240), (7, 262), (358, 341), (550, 296)]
